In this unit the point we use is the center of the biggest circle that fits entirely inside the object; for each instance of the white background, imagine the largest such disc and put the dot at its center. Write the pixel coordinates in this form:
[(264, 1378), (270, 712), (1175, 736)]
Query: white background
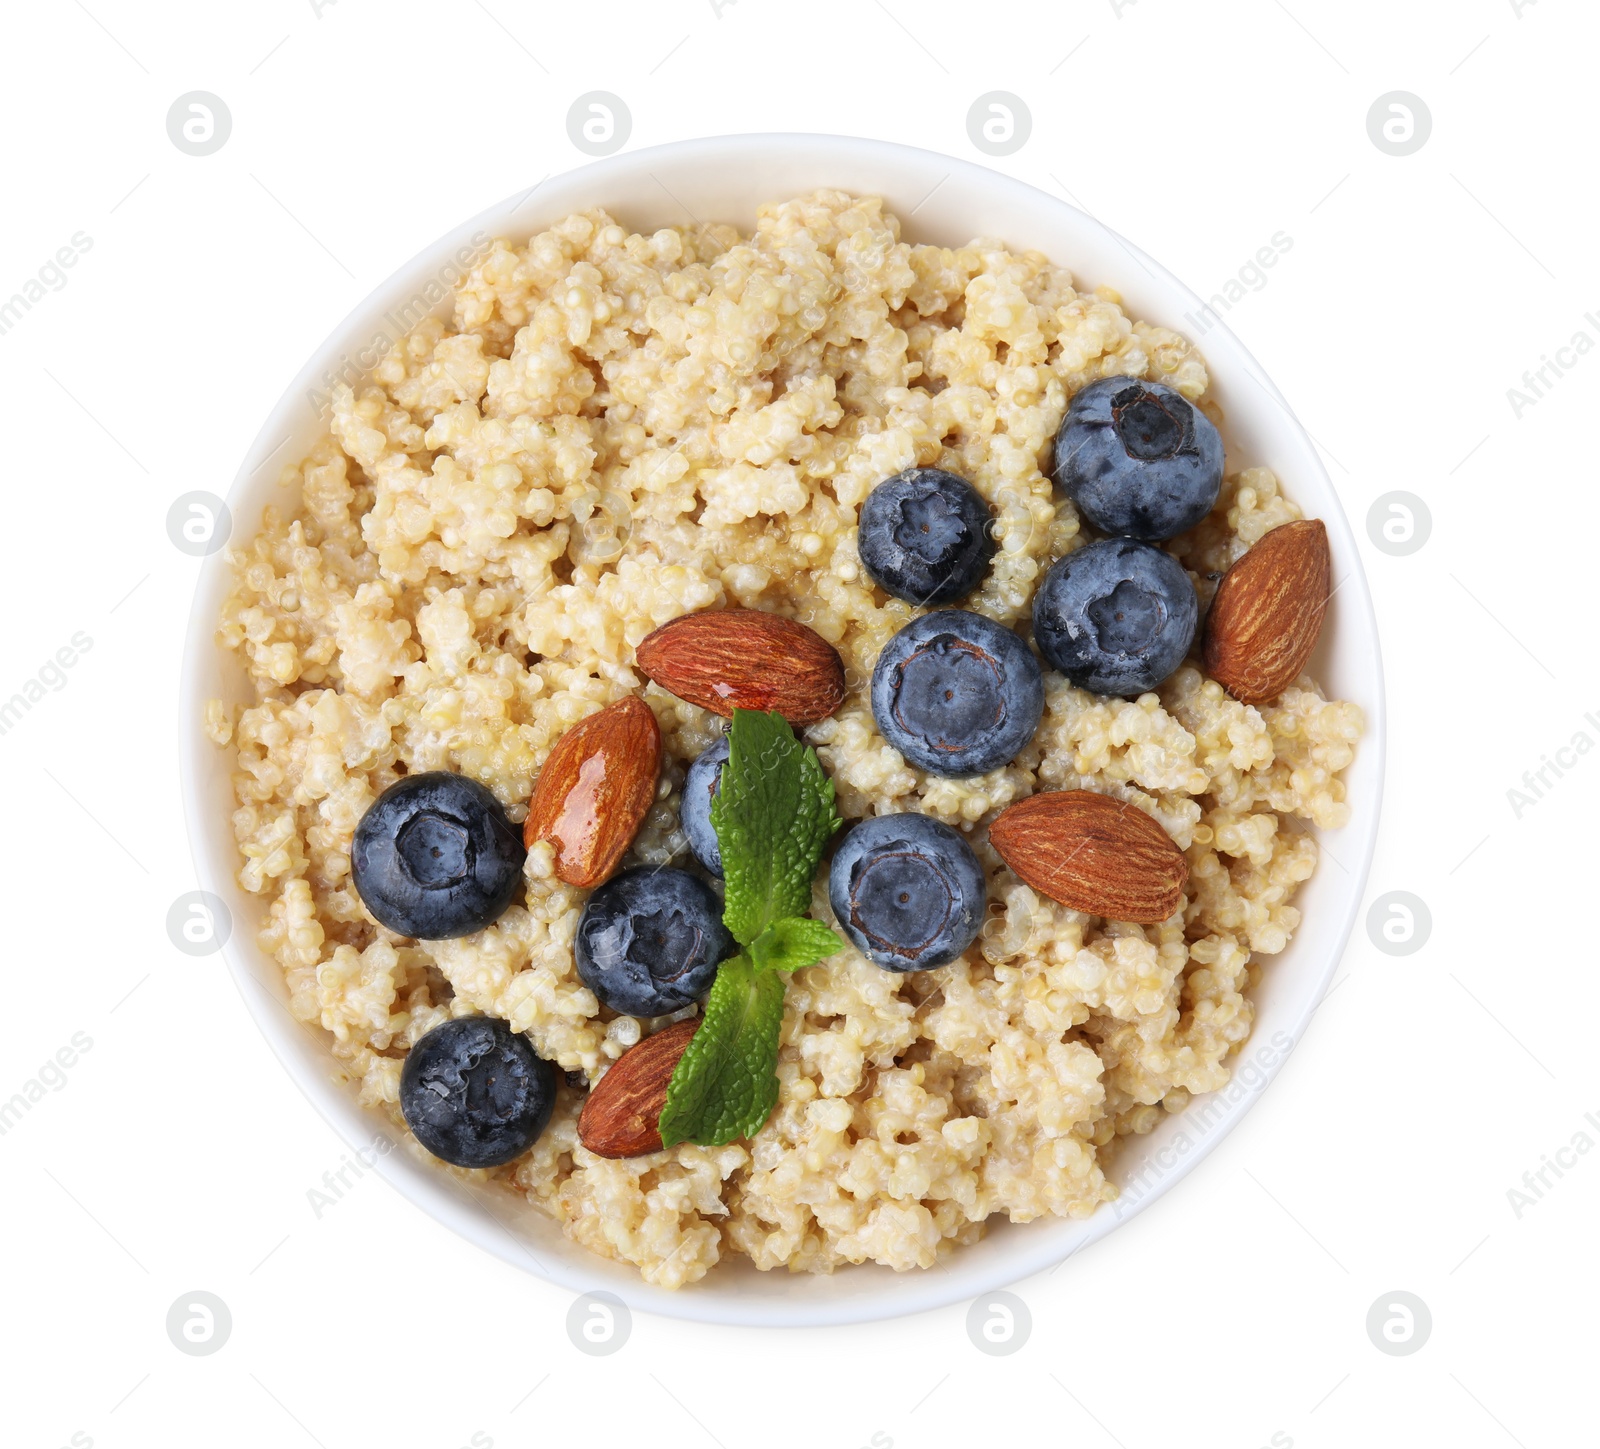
[(178, 1156)]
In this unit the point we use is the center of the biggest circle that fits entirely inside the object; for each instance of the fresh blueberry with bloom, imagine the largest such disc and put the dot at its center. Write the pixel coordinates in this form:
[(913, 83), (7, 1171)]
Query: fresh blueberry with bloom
[(908, 891), (473, 1092), (699, 789), (1116, 617), (434, 857), (1138, 459), (926, 536), (649, 941), (956, 693)]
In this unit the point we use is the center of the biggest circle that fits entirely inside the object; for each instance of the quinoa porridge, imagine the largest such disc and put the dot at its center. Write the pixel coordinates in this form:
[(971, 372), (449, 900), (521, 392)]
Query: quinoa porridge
[(613, 430)]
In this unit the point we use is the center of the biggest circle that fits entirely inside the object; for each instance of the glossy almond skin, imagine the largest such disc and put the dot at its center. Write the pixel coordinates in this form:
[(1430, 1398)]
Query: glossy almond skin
[(1092, 853), (620, 1117), (745, 659), (594, 790), (1268, 612)]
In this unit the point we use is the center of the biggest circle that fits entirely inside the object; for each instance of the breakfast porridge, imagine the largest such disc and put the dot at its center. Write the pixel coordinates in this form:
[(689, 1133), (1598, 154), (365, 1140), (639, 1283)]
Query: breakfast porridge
[(612, 431)]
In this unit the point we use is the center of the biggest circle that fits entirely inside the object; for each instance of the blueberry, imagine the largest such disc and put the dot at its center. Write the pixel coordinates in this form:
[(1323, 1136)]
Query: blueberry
[(925, 535), (704, 776), (956, 693), (649, 941), (1138, 459), (474, 1093), (908, 891), (435, 857), (1116, 617)]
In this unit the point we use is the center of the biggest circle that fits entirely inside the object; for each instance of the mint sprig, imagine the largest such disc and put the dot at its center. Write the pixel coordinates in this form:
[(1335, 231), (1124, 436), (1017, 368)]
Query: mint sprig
[(773, 814)]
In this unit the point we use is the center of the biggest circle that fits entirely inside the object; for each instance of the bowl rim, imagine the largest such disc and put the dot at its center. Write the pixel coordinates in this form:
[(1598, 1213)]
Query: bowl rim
[(470, 1211)]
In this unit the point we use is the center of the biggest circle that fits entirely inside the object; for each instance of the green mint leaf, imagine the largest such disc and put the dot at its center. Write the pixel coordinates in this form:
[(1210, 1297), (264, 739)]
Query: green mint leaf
[(724, 1085), (792, 944), (773, 813)]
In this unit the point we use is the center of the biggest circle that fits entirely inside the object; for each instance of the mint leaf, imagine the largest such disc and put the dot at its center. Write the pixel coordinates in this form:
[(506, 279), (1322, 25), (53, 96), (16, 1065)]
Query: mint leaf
[(792, 944), (773, 813), (724, 1085)]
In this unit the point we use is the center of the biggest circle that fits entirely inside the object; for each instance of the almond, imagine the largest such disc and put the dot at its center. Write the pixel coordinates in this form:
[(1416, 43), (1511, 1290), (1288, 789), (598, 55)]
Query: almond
[(1268, 612), (1092, 853), (620, 1117), (594, 790), (745, 659)]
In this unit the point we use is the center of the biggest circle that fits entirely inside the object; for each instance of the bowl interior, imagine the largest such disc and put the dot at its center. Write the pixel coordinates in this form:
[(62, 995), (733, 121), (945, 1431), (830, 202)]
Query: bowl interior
[(941, 200)]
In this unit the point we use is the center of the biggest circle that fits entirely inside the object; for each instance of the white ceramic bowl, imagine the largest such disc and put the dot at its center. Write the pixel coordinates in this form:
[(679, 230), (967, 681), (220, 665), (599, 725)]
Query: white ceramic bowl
[(938, 199)]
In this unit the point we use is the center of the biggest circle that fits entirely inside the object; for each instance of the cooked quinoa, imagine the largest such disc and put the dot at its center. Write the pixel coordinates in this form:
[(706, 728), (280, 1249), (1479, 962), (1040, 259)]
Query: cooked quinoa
[(614, 429)]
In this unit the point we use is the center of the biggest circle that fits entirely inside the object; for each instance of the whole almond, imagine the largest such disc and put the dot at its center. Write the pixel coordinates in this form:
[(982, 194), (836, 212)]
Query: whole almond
[(732, 659), (1092, 853), (620, 1117), (1268, 612), (594, 790)]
